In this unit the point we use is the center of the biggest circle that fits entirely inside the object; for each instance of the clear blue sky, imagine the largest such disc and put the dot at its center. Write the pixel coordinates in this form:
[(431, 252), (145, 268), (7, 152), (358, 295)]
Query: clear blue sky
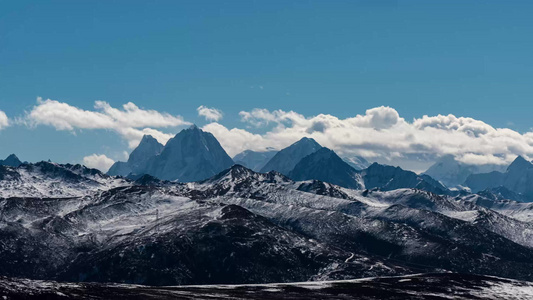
[(468, 58)]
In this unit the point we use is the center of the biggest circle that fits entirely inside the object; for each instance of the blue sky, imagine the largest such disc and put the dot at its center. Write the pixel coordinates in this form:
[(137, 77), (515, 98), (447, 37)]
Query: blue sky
[(466, 58)]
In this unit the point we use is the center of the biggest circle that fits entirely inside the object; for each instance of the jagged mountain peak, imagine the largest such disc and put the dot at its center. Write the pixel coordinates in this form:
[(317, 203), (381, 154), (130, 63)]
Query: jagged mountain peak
[(12, 161), (519, 164), (238, 173), (388, 177), (326, 165), (286, 159), (306, 141), (147, 148), (193, 127), (191, 155)]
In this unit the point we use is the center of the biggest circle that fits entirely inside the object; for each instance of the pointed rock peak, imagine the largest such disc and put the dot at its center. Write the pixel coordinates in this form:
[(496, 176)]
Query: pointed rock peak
[(519, 163), (148, 138), (12, 161), (307, 141), (12, 156), (194, 127), (235, 172), (239, 171)]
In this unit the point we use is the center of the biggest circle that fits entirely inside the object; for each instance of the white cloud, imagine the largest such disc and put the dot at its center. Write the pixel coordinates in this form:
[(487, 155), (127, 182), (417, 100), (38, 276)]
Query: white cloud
[(4, 120), (382, 135), (100, 162), (210, 114), (131, 122)]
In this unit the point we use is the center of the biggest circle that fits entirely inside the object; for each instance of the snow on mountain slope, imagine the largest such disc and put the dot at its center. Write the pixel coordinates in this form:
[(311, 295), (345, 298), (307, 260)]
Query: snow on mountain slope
[(189, 156), (518, 178), (50, 180), (514, 209), (357, 162), (417, 286), (157, 232)]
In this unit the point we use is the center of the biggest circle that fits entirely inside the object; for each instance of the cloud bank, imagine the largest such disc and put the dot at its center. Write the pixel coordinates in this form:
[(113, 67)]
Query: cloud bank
[(210, 114), (380, 134), (131, 122), (4, 120), (100, 162)]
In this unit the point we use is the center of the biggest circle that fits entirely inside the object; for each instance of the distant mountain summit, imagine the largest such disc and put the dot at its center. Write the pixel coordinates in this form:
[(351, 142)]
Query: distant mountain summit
[(452, 173), (254, 160), (11, 161), (285, 160), (147, 148), (325, 165), (518, 178), (191, 155), (388, 178)]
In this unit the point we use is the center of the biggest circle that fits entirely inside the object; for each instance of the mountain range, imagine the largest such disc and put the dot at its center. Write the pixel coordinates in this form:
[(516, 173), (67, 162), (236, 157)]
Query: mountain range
[(70, 223), (452, 172), (189, 156), (312, 217), (517, 179), (254, 160), (286, 159)]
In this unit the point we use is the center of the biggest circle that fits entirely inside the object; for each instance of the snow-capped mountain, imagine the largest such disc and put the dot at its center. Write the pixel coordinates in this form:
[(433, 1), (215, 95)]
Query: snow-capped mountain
[(254, 227), (189, 156), (11, 161), (325, 165), (254, 160), (147, 148), (453, 173), (518, 178), (286, 159), (51, 180)]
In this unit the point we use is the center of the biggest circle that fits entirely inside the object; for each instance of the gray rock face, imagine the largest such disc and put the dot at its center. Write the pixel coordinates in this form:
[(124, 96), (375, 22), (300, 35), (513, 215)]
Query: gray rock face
[(325, 165), (285, 160), (11, 161), (191, 155), (254, 160), (119, 168), (388, 178), (518, 178), (453, 173), (148, 147)]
